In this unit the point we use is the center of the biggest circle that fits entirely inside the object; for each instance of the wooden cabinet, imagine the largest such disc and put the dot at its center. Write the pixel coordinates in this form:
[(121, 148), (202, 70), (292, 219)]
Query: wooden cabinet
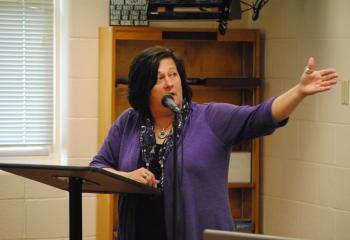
[(227, 68)]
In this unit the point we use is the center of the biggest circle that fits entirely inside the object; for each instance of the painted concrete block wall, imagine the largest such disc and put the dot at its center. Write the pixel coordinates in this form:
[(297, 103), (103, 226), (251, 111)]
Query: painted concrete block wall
[(306, 188)]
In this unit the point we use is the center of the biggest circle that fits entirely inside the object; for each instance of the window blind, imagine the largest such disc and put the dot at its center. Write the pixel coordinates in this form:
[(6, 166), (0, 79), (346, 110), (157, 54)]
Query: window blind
[(26, 76)]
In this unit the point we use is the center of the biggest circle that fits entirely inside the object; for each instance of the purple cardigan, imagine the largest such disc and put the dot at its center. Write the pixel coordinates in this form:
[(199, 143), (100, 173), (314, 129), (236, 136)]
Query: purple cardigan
[(208, 136)]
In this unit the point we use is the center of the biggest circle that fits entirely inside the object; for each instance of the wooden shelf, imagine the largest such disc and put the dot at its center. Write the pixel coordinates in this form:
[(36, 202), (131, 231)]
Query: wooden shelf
[(232, 82)]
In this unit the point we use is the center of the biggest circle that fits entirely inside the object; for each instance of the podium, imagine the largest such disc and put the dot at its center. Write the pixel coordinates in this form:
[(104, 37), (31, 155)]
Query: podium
[(77, 180)]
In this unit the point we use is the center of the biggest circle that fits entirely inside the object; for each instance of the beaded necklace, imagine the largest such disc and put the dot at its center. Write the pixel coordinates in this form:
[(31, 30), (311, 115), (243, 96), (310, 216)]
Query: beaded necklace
[(148, 142)]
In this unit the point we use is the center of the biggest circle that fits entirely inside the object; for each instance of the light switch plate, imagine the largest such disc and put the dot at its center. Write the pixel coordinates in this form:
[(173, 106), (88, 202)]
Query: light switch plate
[(345, 92)]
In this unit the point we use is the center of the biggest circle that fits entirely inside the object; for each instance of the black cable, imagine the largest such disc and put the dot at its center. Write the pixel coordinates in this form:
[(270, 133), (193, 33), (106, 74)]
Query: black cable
[(179, 225), (247, 4), (222, 26), (255, 7), (175, 179), (181, 193)]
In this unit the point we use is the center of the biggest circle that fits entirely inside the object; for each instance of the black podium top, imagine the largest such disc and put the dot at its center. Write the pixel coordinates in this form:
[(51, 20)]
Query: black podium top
[(94, 180)]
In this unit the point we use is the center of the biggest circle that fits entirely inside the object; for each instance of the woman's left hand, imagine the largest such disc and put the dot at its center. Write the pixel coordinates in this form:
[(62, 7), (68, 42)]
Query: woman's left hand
[(314, 81)]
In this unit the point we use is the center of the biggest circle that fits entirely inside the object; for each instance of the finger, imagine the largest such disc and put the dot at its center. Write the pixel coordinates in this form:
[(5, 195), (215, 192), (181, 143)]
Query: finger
[(328, 79), (326, 88), (311, 63), (153, 181), (309, 68), (144, 179), (144, 175), (150, 175), (149, 179), (328, 83), (141, 179), (332, 76), (147, 172), (155, 184), (327, 71)]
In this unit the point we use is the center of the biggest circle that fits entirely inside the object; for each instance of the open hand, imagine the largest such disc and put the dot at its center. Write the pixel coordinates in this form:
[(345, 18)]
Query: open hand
[(314, 81)]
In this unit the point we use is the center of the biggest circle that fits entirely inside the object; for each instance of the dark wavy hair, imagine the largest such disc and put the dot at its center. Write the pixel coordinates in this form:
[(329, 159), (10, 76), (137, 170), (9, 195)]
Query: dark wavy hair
[(143, 75)]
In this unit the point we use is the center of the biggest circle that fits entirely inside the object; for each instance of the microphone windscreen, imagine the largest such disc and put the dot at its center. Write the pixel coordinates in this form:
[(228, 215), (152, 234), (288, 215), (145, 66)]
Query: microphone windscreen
[(166, 99)]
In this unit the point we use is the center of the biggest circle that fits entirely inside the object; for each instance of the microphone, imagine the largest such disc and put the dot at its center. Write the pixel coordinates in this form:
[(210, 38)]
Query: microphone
[(168, 101)]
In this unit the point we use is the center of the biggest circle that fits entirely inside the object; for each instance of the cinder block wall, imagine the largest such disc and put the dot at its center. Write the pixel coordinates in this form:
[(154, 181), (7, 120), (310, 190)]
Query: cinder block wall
[(306, 164)]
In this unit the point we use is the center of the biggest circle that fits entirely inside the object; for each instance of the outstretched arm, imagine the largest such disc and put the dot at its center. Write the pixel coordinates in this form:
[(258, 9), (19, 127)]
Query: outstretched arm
[(311, 82)]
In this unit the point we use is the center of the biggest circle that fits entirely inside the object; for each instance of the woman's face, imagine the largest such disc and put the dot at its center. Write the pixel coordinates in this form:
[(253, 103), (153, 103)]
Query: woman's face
[(168, 83)]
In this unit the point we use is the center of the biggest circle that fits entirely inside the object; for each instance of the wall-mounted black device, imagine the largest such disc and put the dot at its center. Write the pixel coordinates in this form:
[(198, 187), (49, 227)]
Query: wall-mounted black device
[(194, 9)]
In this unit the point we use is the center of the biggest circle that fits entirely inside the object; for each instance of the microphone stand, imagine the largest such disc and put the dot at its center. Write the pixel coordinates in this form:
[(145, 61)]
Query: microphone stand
[(177, 117)]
